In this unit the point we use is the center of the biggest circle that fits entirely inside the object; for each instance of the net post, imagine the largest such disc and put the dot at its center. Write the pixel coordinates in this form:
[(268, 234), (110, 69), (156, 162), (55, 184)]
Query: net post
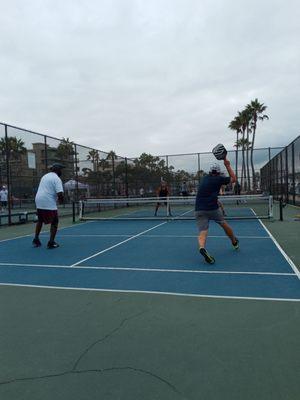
[(271, 207), (8, 175), (80, 209), (73, 212), (280, 209)]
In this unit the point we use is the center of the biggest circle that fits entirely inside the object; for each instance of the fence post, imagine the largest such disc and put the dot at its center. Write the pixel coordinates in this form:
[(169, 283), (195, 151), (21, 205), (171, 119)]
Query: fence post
[(46, 154), (293, 174), (286, 176), (76, 173), (7, 154), (126, 177), (114, 175), (280, 209)]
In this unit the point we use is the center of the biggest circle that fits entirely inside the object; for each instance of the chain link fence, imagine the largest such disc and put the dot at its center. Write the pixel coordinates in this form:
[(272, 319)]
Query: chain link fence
[(25, 156), (281, 175)]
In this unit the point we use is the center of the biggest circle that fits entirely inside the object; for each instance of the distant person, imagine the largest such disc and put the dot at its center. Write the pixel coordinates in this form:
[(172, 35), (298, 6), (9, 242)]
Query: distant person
[(237, 188), (163, 192), (237, 191), (184, 189), (142, 192), (3, 198), (49, 191), (207, 207)]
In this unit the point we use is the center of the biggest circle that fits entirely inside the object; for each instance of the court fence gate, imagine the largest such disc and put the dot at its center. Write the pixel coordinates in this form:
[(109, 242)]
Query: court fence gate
[(281, 175)]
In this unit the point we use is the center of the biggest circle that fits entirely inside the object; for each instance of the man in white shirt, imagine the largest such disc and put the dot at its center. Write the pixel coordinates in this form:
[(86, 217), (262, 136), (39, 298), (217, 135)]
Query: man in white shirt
[(49, 191), (3, 197)]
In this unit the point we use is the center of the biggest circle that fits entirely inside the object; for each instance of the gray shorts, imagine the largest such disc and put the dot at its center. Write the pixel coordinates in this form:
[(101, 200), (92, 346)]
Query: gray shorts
[(204, 216)]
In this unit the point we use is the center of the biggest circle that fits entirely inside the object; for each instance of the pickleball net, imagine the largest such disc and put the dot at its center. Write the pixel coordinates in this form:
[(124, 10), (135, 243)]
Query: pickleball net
[(172, 208)]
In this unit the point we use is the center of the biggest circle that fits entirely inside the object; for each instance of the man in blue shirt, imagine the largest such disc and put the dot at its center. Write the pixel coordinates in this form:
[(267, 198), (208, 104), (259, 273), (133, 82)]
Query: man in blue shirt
[(207, 207)]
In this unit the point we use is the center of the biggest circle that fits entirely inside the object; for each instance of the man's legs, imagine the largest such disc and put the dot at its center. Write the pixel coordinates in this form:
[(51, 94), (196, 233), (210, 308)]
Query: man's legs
[(202, 238), (202, 242), (202, 219), (229, 232), (53, 231), (38, 227)]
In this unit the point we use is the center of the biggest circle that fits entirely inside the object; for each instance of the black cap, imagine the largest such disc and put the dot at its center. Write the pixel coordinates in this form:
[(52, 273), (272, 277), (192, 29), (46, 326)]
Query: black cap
[(57, 166)]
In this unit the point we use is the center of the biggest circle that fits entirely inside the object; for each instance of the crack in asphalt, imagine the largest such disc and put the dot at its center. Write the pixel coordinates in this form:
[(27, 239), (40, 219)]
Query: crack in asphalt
[(75, 370), (96, 370), (102, 339)]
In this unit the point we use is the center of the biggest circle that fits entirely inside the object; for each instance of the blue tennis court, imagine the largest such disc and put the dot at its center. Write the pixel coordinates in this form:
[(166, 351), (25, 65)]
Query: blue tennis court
[(155, 257)]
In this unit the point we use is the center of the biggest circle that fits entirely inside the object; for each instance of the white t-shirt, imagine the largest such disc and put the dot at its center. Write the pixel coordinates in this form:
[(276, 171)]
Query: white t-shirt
[(3, 194), (46, 196)]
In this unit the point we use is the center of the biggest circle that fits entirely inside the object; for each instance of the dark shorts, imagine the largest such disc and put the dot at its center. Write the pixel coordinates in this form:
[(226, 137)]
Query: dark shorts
[(204, 216), (162, 200), (47, 216), (4, 203)]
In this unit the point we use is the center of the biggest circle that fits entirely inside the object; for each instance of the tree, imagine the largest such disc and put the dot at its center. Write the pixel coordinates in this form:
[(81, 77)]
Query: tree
[(93, 156), (236, 126), (15, 147), (112, 156), (245, 118), (256, 111), (65, 153)]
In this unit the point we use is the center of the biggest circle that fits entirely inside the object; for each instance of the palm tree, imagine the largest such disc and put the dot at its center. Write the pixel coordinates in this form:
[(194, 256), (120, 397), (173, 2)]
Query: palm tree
[(66, 154), (103, 164), (256, 110), (15, 147), (93, 156), (235, 125), (11, 151), (245, 127), (112, 156)]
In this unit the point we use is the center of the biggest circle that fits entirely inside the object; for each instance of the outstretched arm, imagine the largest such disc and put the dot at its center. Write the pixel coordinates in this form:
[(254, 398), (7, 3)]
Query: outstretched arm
[(230, 171)]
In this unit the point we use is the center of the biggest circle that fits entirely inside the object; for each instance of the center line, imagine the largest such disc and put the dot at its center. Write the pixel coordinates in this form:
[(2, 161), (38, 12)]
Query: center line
[(118, 244)]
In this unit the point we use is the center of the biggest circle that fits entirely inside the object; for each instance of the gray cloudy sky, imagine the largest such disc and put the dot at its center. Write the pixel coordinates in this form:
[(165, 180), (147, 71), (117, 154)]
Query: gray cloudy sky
[(159, 76)]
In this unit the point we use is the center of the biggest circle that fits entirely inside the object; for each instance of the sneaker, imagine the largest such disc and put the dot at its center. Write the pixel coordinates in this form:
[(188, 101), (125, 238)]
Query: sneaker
[(52, 245), (36, 242), (236, 244), (208, 258)]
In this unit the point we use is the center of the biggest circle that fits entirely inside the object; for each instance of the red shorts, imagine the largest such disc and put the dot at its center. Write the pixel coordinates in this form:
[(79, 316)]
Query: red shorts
[(47, 216)]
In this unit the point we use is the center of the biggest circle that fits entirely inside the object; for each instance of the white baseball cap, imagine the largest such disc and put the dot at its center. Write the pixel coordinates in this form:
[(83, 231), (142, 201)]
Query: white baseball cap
[(215, 168)]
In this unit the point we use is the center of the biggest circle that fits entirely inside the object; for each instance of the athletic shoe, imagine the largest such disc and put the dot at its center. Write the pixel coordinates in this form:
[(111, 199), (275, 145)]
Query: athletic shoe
[(52, 245), (208, 258), (36, 242), (236, 244)]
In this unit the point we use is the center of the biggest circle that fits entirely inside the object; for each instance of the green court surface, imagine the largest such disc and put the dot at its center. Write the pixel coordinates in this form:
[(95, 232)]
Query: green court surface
[(84, 344)]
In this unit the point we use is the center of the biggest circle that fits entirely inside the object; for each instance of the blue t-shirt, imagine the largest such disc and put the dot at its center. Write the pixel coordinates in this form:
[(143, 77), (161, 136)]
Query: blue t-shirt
[(208, 191)]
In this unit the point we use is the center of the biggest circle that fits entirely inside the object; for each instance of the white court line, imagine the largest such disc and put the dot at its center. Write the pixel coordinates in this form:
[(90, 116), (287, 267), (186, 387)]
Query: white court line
[(118, 244), (32, 234), (151, 292), (123, 241), (168, 236), (290, 262), (143, 269)]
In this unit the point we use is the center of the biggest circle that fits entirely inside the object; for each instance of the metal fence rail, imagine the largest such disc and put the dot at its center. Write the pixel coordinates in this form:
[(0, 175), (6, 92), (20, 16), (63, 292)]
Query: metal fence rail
[(25, 156)]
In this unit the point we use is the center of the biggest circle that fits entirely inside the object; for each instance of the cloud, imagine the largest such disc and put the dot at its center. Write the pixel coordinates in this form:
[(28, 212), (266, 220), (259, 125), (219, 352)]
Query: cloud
[(160, 77)]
